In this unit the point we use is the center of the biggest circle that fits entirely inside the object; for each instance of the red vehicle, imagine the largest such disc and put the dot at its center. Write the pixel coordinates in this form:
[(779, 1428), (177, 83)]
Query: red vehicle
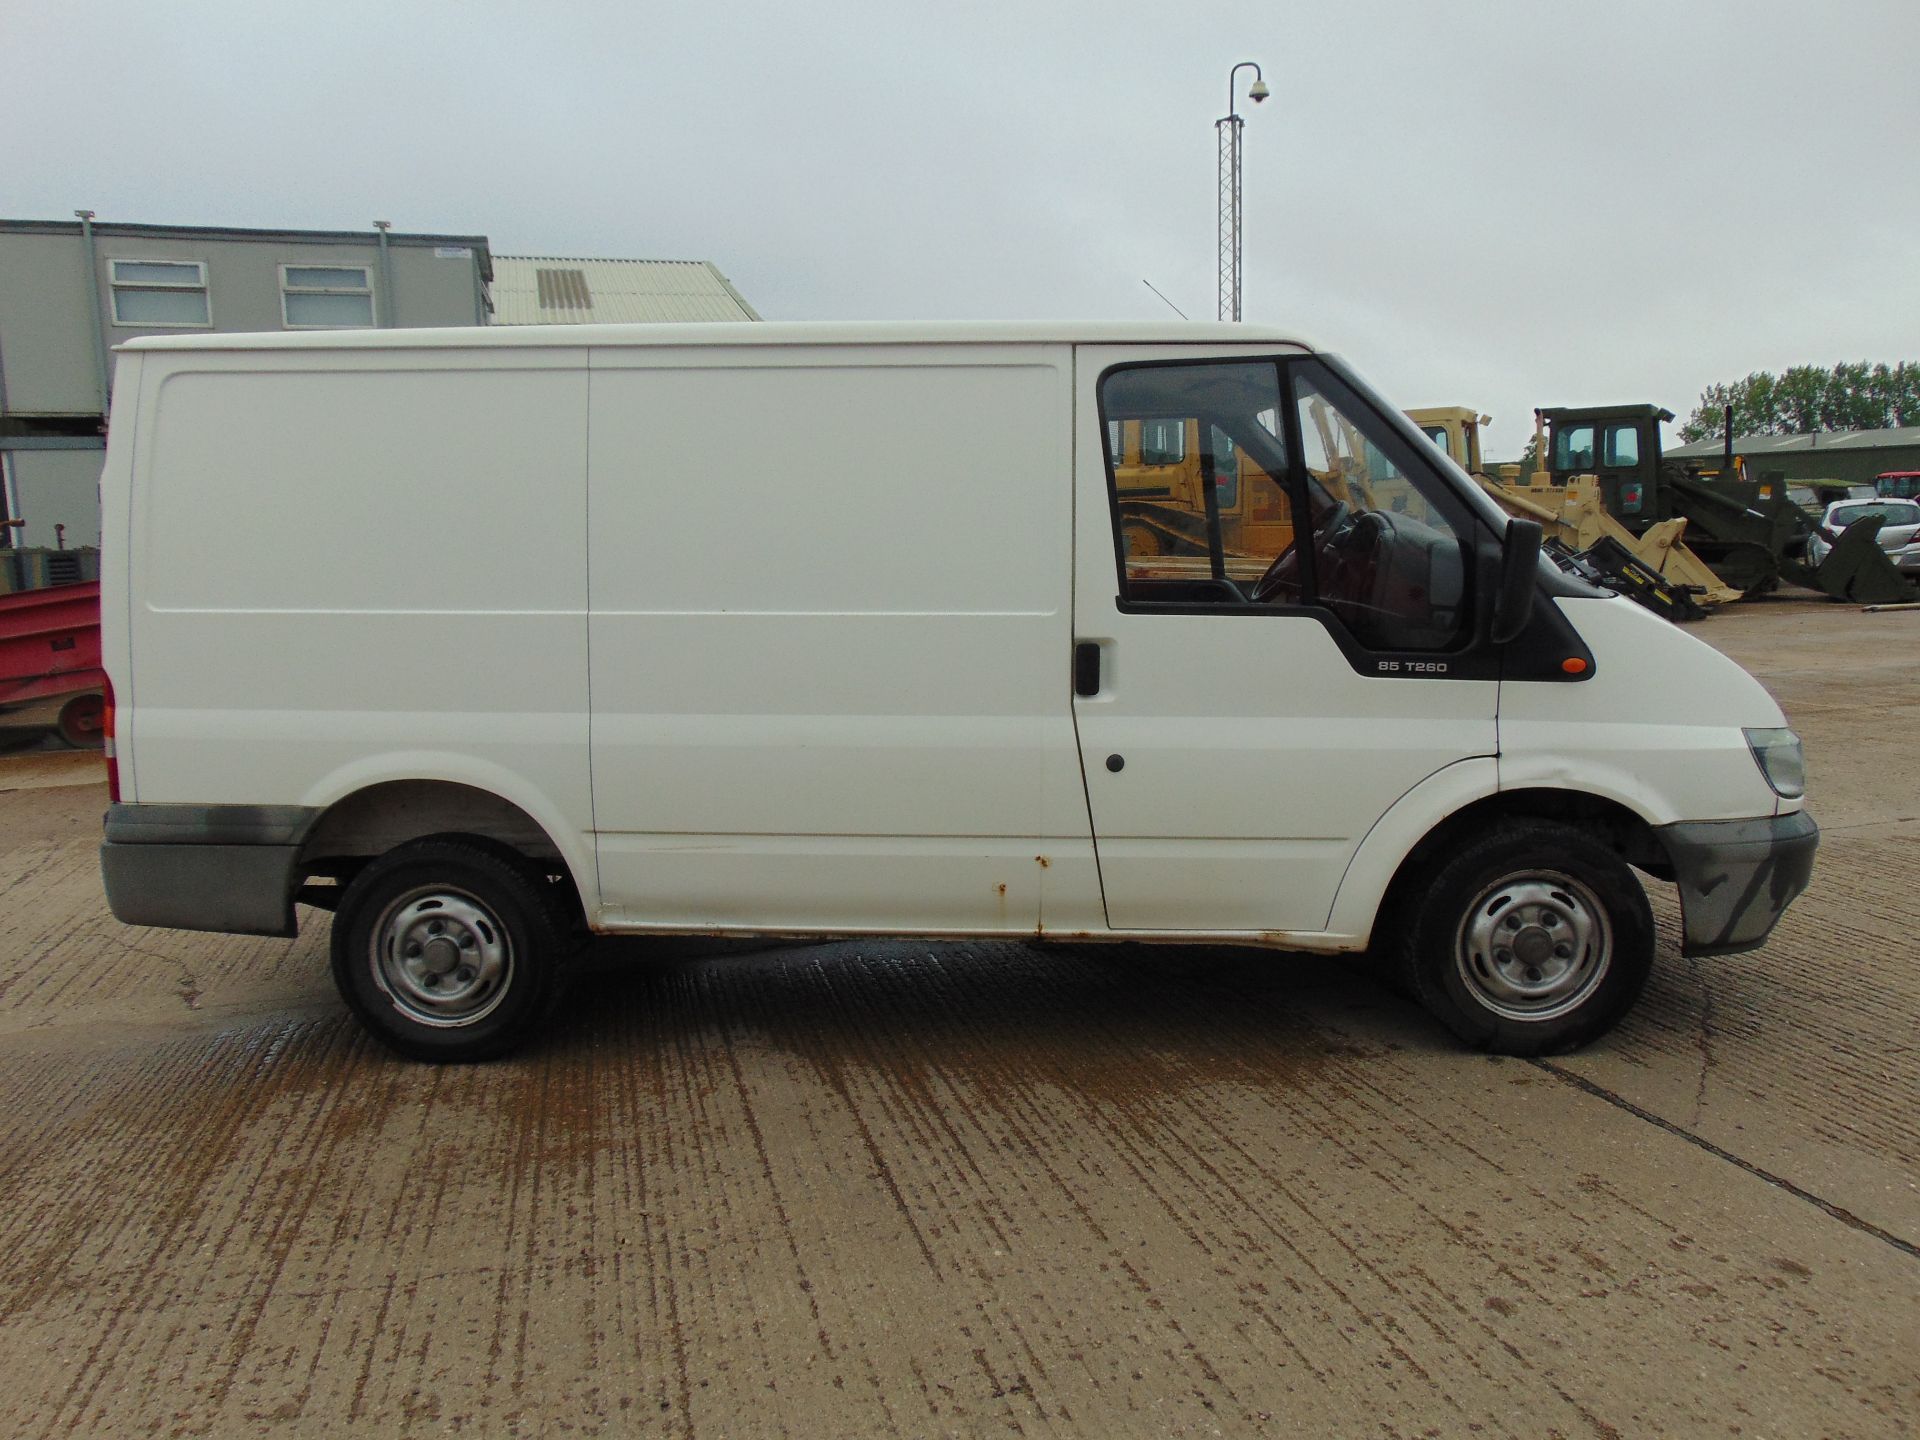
[(50, 661), (1898, 485)]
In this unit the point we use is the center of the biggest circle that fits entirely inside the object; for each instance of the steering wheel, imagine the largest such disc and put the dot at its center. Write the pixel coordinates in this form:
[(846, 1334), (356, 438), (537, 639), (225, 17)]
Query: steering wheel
[(1282, 574), (1348, 556)]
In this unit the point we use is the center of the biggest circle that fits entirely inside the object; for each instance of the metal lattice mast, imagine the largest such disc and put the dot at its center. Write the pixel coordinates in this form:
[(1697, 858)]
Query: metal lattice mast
[(1229, 227), (1228, 130)]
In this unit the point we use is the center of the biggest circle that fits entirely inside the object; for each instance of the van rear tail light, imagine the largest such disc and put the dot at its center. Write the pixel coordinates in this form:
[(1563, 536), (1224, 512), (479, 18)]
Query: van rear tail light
[(112, 752)]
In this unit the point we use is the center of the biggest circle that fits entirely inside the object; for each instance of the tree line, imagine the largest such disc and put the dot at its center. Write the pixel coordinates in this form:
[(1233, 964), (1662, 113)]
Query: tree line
[(1805, 398)]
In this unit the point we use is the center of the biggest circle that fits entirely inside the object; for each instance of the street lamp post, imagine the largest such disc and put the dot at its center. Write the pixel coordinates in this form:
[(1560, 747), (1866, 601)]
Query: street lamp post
[(1228, 130)]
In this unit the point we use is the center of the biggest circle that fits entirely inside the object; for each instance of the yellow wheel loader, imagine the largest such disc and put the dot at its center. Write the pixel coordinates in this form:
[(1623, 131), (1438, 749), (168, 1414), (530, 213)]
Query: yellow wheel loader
[(1654, 566)]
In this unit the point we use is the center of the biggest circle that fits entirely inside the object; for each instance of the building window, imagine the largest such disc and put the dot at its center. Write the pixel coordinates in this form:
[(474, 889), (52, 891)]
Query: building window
[(160, 294), (325, 297)]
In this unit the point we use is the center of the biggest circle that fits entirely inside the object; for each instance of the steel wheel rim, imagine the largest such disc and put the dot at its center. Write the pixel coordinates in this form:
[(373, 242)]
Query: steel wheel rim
[(441, 956), (1534, 945)]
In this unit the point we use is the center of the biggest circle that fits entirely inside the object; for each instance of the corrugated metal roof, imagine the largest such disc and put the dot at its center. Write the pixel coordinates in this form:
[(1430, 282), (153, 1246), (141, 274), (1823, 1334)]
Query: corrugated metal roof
[(561, 290), (1900, 436)]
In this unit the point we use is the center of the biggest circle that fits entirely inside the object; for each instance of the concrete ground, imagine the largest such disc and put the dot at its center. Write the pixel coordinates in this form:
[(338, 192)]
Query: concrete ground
[(910, 1189)]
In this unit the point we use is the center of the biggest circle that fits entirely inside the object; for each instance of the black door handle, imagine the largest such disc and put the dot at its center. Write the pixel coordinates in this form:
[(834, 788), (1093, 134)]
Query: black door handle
[(1086, 668)]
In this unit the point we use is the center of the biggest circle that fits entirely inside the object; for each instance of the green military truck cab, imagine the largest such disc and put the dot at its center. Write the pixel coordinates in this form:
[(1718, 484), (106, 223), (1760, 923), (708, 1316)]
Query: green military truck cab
[(1750, 533)]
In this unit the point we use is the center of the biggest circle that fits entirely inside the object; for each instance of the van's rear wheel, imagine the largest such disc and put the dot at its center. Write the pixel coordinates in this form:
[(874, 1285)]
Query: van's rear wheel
[(449, 949), (1531, 940)]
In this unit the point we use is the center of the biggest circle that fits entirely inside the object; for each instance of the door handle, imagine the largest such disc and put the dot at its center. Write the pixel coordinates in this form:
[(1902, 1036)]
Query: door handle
[(1086, 668)]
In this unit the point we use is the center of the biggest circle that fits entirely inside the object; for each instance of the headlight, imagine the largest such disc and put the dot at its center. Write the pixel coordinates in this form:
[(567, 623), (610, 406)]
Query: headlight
[(1781, 760)]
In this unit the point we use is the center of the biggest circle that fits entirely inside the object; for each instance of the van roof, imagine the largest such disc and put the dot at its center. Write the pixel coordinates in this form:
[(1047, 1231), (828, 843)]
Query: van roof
[(824, 332)]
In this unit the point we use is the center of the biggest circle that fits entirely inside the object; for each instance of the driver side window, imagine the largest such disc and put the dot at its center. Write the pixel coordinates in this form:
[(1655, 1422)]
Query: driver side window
[(1210, 509), (1388, 560)]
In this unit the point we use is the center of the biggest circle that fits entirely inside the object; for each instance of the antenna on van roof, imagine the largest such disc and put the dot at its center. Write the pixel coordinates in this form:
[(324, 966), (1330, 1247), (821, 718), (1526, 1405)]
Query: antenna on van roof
[(1156, 290)]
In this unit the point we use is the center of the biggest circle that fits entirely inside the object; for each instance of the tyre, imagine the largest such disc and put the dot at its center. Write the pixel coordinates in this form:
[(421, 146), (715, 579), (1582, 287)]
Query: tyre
[(1530, 940), (1141, 539), (450, 949), (82, 722)]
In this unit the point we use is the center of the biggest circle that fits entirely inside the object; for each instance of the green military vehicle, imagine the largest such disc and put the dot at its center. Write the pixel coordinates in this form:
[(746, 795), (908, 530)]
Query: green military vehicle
[(1749, 532)]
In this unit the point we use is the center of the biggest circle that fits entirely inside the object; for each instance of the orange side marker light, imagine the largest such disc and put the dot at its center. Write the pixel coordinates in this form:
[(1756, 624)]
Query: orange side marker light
[(1574, 665)]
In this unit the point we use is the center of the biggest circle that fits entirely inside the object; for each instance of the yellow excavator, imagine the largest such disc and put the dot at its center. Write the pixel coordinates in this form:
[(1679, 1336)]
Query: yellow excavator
[(1162, 469), (1160, 473), (1655, 566)]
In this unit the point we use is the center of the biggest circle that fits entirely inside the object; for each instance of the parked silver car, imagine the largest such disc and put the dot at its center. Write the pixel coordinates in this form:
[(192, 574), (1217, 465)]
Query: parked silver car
[(1899, 531)]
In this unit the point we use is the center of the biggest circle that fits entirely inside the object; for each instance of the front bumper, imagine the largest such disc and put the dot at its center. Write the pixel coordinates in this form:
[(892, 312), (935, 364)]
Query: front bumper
[(204, 867), (1737, 877)]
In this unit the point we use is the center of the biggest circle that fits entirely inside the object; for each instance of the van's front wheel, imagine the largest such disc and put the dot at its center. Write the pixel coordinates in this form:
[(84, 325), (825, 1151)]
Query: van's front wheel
[(1532, 939), (449, 949)]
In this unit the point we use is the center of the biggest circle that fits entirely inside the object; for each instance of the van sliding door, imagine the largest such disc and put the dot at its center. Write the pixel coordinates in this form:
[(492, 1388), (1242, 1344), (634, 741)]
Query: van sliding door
[(830, 628)]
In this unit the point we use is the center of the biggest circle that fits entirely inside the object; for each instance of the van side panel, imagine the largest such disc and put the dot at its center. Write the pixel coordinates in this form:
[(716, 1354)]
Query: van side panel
[(830, 630), (350, 568)]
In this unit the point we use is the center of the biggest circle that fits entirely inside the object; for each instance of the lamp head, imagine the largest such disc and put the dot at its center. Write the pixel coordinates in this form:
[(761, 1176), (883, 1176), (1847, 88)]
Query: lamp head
[(1259, 91)]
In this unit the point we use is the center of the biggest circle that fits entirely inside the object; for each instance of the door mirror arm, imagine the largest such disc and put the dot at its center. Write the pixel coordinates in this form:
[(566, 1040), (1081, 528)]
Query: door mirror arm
[(1519, 580)]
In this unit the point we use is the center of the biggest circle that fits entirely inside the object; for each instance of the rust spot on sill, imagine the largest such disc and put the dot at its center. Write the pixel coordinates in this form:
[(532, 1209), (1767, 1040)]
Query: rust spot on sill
[(1042, 861)]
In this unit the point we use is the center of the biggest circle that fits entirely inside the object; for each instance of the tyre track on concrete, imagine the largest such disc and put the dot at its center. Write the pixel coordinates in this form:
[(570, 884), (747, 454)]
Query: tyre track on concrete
[(1026, 1126), (791, 1337), (382, 1220), (915, 1100), (906, 1101), (139, 1285), (745, 1091), (1166, 1139), (686, 1078), (1024, 1122)]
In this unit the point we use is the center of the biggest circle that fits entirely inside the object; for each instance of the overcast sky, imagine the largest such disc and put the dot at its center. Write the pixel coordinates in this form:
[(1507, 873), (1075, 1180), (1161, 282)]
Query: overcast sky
[(1496, 204)]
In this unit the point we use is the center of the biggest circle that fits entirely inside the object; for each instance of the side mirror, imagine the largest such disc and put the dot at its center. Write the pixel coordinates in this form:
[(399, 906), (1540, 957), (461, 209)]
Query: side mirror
[(1519, 580)]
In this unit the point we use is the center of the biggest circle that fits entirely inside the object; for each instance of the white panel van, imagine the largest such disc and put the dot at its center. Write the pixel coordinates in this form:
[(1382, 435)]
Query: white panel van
[(490, 640)]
